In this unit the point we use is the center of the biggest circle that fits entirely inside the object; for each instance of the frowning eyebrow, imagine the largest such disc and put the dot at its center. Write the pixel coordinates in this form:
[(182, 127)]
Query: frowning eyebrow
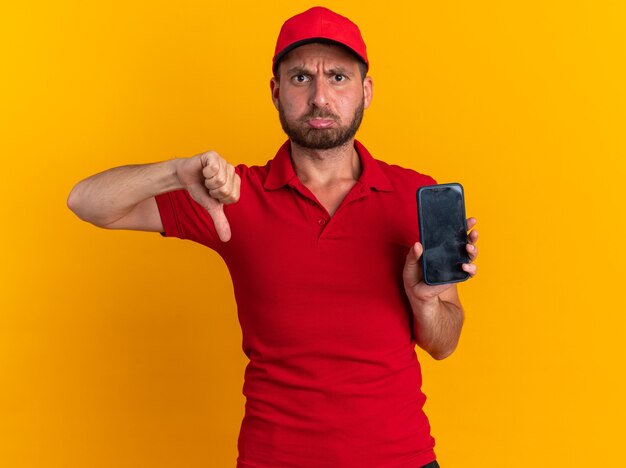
[(297, 70), (339, 71), (301, 70)]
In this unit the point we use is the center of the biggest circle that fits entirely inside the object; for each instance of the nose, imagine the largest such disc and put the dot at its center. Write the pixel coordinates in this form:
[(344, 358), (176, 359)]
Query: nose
[(319, 93)]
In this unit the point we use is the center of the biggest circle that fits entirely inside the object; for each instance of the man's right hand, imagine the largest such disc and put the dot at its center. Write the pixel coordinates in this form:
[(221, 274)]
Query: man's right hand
[(213, 183), (124, 197)]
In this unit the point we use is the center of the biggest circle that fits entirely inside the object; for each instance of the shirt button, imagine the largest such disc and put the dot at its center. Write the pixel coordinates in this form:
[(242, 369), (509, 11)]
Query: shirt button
[(321, 221)]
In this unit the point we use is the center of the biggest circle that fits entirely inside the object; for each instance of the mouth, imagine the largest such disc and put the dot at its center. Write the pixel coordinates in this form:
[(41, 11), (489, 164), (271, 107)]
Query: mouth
[(320, 123)]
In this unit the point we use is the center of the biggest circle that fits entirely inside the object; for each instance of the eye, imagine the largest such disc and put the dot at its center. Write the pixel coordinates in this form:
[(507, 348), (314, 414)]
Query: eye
[(339, 78), (300, 78)]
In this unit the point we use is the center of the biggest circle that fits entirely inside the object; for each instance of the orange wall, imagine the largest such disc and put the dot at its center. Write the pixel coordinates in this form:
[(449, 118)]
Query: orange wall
[(122, 349)]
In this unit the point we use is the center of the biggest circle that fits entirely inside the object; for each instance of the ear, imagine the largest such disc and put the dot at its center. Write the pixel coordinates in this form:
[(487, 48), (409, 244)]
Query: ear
[(274, 87), (368, 91)]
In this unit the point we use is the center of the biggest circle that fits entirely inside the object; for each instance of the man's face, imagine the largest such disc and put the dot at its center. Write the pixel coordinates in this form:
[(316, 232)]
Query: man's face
[(320, 95)]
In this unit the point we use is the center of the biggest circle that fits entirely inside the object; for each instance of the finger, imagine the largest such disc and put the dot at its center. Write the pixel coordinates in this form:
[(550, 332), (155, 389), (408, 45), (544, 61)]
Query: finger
[(215, 210), (470, 268), (220, 222), (472, 250), (210, 163), (236, 188), (199, 194), (411, 273), (230, 191), (473, 236), (415, 253), (471, 222), (217, 177)]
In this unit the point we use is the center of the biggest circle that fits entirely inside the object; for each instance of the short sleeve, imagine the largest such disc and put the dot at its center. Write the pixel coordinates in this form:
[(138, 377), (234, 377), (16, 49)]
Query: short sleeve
[(427, 180), (184, 218)]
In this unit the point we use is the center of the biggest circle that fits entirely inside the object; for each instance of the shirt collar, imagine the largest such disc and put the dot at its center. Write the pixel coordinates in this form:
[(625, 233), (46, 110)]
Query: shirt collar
[(281, 170)]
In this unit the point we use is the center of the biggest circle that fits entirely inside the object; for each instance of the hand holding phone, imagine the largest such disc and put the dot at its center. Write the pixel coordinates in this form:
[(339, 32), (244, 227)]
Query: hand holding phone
[(443, 233)]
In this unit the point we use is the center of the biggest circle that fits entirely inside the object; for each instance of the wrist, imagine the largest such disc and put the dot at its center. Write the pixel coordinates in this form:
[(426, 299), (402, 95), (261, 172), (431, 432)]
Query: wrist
[(424, 306), (171, 175), (422, 298)]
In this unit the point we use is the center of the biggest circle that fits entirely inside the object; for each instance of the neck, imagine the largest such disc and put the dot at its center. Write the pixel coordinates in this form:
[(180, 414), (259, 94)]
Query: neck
[(326, 167)]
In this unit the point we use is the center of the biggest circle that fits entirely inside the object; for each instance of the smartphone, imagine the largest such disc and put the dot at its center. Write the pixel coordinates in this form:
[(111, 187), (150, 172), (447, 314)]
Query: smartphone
[(443, 233)]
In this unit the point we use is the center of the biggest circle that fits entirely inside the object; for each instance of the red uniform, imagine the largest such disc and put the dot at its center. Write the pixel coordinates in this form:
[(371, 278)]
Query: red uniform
[(333, 379)]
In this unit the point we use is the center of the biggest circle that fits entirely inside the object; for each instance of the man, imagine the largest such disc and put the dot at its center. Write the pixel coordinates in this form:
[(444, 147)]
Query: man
[(321, 246)]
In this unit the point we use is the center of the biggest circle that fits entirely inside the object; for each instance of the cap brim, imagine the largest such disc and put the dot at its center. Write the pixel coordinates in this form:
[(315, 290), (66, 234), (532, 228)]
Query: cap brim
[(312, 40)]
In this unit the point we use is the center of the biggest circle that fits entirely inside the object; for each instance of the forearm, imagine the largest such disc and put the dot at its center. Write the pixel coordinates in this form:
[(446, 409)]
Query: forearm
[(437, 326), (108, 196)]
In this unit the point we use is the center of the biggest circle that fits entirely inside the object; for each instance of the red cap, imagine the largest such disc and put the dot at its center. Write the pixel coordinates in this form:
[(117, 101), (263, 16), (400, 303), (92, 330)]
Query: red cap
[(319, 24)]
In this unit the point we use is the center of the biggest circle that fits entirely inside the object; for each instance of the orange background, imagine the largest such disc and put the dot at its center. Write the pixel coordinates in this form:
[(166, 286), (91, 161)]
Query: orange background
[(122, 349)]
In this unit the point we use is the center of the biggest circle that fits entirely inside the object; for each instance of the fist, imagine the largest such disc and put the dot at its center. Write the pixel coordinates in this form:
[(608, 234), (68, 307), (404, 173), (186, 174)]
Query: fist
[(212, 182)]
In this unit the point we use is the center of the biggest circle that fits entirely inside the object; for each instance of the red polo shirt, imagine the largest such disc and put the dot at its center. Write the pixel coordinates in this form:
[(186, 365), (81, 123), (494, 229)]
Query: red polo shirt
[(333, 379)]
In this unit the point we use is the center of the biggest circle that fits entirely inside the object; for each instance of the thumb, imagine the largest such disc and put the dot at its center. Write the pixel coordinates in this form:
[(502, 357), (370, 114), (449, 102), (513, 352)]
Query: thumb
[(215, 210), (220, 221), (412, 273)]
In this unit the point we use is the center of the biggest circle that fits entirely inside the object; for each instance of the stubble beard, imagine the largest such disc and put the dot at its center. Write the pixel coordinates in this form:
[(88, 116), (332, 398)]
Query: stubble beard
[(300, 133)]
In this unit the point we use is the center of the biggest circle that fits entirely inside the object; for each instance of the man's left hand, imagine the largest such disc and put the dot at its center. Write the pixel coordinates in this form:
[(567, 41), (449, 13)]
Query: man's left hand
[(414, 284)]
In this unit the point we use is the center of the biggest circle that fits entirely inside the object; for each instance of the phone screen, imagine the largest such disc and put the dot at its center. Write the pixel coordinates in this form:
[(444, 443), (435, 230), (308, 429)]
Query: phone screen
[(443, 233)]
